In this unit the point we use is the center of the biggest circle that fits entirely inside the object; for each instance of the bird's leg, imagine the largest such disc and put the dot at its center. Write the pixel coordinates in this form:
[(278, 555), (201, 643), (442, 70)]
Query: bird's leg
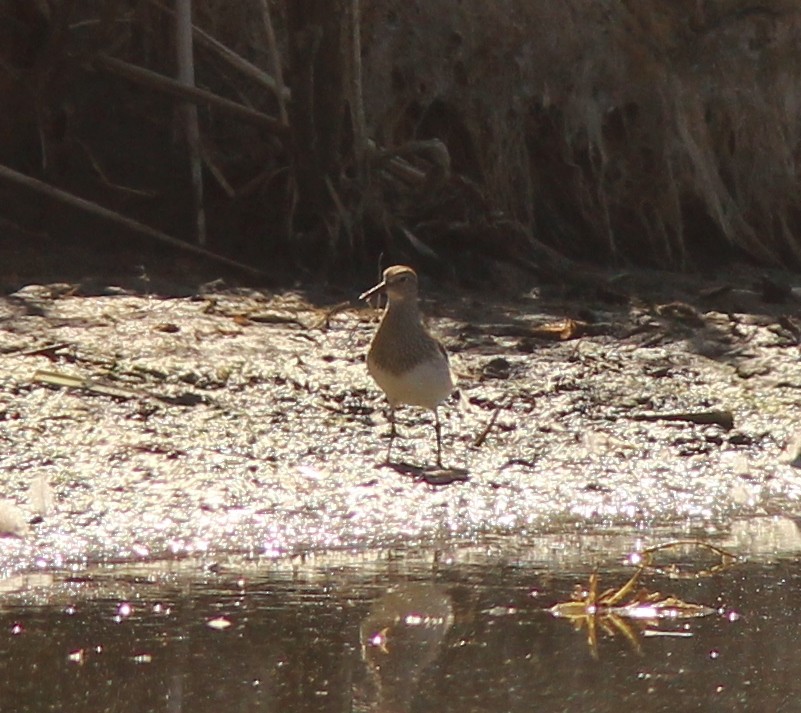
[(438, 429), (392, 432)]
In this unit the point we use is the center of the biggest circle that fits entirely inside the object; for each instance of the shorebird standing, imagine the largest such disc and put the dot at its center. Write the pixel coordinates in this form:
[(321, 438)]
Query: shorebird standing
[(409, 365)]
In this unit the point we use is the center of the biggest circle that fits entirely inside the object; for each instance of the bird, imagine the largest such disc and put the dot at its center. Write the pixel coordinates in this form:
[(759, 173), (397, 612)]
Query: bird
[(408, 364)]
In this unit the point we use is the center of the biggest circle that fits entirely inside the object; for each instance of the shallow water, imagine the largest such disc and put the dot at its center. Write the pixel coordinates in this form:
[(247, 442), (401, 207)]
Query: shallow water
[(467, 629)]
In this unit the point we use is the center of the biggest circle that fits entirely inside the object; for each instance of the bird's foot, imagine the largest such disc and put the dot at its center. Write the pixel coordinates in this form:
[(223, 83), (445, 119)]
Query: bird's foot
[(433, 475)]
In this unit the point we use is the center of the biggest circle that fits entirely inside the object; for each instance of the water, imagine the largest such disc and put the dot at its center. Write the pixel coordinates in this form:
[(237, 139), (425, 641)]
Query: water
[(463, 630)]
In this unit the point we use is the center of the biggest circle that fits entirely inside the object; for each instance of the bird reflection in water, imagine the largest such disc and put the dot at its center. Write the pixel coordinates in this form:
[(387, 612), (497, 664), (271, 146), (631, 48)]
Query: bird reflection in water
[(401, 637)]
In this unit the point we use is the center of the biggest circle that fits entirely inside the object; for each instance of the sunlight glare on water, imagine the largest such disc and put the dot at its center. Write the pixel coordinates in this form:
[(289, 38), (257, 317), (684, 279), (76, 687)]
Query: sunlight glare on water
[(464, 629)]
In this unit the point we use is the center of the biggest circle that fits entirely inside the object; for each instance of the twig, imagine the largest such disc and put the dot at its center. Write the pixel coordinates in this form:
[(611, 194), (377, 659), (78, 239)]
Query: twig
[(356, 97), (724, 419), (275, 60), (361, 145), (101, 387), (341, 209), (324, 322), (727, 559), (215, 171), (51, 54), (105, 179), (188, 112), (46, 350), (58, 194), (404, 171), (433, 151), (163, 84), (67, 381), (483, 435), (235, 60)]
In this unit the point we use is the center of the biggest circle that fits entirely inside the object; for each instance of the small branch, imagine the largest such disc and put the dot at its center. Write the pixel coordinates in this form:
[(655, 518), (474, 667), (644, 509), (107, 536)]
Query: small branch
[(160, 83), (235, 60), (433, 151), (216, 172), (104, 179), (356, 96), (324, 322), (188, 111), (62, 196), (479, 441), (47, 350), (275, 60), (344, 215), (724, 419)]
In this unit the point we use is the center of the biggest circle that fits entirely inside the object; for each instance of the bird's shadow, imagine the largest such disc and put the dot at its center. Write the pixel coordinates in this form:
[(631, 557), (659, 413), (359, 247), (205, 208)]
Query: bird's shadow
[(433, 475)]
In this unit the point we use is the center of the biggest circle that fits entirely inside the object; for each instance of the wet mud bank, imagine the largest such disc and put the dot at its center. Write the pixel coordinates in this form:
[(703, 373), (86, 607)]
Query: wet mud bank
[(140, 427)]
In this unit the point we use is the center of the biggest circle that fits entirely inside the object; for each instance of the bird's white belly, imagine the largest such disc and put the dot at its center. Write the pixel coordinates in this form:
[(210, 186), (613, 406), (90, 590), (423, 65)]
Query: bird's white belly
[(427, 384)]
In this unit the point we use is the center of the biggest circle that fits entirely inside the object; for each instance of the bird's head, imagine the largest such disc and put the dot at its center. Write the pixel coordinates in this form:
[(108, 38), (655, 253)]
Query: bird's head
[(399, 284)]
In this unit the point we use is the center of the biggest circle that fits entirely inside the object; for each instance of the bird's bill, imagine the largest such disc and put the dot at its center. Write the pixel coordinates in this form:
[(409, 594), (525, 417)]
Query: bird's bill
[(380, 287)]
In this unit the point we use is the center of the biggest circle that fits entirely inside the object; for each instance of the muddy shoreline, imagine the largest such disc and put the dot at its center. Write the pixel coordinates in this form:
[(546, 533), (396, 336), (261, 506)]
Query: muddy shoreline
[(142, 426)]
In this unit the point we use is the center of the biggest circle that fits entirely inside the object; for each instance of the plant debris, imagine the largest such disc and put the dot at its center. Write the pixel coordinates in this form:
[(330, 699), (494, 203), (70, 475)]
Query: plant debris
[(629, 611)]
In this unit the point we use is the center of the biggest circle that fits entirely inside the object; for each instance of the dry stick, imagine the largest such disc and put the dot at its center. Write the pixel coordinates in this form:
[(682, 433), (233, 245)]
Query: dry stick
[(357, 99), (344, 215), (230, 56), (483, 435), (58, 194), (50, 54), (186, 76), (216, 172), (404, 171), (275, 60), (160, 83), (104, 178), (722, 418), (324, 322), (359, 123), (43, 350)]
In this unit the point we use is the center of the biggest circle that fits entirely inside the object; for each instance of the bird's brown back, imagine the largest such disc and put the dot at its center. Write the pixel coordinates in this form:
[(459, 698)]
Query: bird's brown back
[(402, 342)]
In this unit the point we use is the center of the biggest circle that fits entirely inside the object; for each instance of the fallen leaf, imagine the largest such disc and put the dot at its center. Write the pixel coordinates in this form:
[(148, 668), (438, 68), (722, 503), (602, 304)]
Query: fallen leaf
[(560, 331)]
